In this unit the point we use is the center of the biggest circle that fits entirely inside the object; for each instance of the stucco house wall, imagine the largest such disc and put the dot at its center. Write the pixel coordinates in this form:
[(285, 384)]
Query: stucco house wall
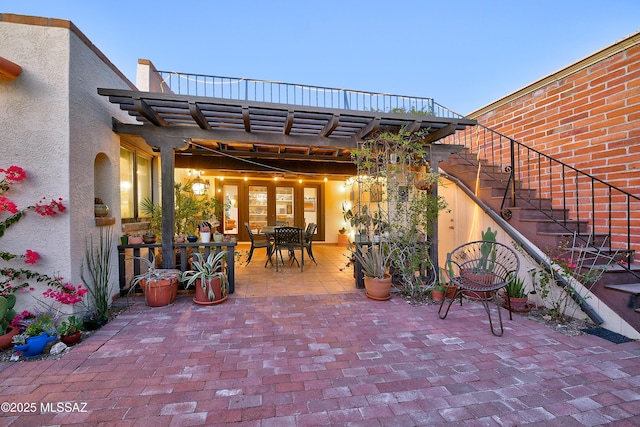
[(55, 126)]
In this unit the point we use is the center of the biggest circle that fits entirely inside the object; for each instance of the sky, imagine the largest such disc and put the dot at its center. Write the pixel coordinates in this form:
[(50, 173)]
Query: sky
[(464, 54)]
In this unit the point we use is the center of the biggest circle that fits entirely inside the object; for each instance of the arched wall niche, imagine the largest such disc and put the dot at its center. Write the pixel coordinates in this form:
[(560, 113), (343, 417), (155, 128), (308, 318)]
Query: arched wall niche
[(103, 186)]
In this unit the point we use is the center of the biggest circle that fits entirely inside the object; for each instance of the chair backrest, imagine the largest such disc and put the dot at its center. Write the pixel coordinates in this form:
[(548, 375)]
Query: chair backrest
[(311, 231), (246, 225), (287, 235), (484, 257)]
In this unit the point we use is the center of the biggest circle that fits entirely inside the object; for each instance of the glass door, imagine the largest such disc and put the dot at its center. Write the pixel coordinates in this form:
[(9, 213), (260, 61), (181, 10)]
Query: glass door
[(258, 209), (231, 219), (285, 206)]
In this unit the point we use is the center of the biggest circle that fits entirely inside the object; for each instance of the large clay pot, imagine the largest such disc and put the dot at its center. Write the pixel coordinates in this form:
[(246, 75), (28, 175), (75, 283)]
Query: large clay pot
[(378, 289), (202, 295), (162, 290), (479, 280), (5, 340)]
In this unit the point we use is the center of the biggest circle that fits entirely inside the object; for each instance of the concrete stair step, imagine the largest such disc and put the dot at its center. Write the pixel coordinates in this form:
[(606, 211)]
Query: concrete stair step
[(629, 288)]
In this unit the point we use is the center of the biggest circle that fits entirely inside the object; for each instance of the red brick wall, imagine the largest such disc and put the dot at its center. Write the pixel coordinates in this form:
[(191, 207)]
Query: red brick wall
[(589, 119)]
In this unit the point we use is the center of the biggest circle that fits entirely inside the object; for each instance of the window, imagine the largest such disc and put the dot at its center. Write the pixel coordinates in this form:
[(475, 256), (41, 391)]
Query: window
[(135, 181)]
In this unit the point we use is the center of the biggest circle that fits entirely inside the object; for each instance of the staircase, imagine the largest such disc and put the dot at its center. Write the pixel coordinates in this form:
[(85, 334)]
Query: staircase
[(548, 201)]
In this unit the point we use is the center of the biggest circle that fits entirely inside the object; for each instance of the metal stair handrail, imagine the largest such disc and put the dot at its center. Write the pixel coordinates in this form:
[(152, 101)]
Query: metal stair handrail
[(514, 164)]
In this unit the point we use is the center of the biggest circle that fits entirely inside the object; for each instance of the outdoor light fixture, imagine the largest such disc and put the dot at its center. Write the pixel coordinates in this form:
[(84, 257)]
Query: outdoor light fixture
[(198, 186)]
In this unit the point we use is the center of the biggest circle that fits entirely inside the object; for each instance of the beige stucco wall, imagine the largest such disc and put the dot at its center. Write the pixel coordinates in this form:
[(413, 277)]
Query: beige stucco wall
[(54, 125), (464, 221)]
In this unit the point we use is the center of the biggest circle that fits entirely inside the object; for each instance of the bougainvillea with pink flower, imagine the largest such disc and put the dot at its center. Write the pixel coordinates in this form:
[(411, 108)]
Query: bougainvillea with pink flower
[(14, 280)]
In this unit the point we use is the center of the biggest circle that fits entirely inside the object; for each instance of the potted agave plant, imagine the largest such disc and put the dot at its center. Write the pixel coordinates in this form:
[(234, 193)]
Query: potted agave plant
[(160, 286), (375, 261), (209, 278), (481, 273)]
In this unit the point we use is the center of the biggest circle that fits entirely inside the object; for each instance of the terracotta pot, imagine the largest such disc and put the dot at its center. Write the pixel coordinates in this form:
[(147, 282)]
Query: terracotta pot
[(202, 295), (437, 295), (135, 240), (5, 340), (518, 304), (450, 291), (479, 280), (160, 292), (378, 289), (71, 339)]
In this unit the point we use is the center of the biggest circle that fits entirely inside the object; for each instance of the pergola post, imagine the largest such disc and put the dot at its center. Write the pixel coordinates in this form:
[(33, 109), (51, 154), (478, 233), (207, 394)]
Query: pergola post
[(167, 147)]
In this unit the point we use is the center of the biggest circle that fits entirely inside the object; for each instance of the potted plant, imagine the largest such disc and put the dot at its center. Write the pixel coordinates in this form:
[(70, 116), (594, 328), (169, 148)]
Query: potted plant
[(481, 272), (375, 261), (209, 278), (37, 334), (7, 314), (387, 204), (70, 330), (205, 231), (159, 286), (96, 276), (516, 292)]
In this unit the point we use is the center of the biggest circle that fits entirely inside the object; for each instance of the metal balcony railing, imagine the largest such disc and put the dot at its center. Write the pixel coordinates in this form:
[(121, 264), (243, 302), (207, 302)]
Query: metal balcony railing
[(239, 88)]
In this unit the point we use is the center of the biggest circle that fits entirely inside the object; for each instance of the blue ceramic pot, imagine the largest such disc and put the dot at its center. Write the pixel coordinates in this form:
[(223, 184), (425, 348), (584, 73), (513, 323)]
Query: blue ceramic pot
[(34, 345)]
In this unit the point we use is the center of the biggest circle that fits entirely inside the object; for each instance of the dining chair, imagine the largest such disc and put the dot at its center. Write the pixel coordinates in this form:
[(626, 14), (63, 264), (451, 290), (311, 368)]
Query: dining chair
[(308, 240), (289, 239), (257, 241)]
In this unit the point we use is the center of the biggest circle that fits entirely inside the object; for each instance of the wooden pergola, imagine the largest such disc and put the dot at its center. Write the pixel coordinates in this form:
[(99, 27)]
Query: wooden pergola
[(204, 132)]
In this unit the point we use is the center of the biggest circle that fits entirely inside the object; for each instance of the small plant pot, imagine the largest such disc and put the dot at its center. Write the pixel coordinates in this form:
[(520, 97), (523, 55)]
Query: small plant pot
[(517, 305), (205, 237), (92, 324), (71, 339), (437, 295)]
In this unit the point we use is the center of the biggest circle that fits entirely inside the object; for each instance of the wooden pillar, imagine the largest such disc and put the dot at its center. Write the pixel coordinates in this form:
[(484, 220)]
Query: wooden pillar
[(167, 146)]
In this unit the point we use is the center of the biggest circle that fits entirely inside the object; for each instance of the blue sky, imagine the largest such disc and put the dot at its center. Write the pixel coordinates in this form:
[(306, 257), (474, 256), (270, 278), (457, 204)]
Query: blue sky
[(464, 54)]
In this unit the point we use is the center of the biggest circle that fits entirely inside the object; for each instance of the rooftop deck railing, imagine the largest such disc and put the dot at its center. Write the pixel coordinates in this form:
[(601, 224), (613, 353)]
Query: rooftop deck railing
[(239, 88)]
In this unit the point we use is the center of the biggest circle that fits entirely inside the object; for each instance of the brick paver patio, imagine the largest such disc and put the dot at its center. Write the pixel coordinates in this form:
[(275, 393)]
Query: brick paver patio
[(326, 359)]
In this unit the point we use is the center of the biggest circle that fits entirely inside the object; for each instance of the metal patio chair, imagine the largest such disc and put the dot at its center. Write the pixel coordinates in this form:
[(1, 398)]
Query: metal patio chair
[(258, 241), (289, 239), (308, 240), (480, 269)]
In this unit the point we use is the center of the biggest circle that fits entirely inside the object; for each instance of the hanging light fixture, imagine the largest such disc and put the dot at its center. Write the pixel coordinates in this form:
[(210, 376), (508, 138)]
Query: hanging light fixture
[(198, 186)]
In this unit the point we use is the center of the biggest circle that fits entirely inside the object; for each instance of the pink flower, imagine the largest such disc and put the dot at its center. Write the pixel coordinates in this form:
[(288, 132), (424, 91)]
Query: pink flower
[(31, 257), (8, 205), (49, 209), (66, 294), (14, 173)]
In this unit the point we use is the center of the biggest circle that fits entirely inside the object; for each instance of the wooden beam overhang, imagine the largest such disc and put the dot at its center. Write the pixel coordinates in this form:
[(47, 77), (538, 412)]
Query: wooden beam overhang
[(266, 130), (197, 115)]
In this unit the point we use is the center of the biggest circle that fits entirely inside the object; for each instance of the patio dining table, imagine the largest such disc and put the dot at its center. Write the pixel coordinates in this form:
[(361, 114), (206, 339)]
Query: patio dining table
[(270, 232)]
